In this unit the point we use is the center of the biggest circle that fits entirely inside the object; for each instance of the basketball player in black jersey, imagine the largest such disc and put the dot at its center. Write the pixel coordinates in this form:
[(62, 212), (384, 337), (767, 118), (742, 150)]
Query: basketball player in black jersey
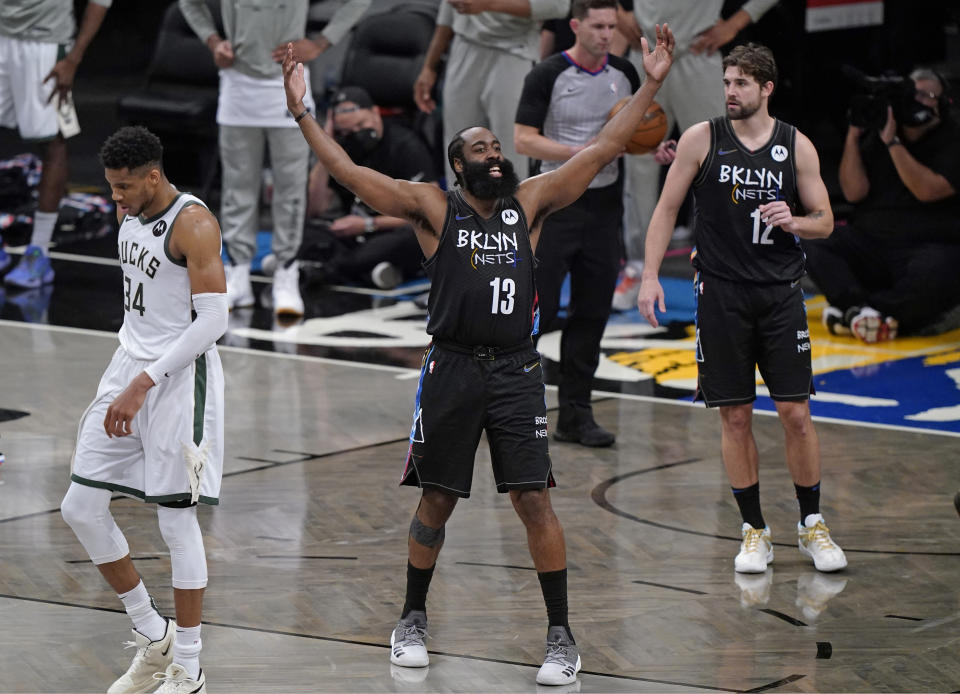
[(757, 187), (481, 371)]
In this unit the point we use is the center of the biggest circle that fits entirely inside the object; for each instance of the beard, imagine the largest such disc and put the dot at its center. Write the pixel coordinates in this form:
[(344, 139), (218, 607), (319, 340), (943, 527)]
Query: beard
[(478, 181), (742, 111)]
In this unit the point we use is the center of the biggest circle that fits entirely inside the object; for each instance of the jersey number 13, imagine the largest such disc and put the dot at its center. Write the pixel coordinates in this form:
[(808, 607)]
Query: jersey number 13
[(503, 292)]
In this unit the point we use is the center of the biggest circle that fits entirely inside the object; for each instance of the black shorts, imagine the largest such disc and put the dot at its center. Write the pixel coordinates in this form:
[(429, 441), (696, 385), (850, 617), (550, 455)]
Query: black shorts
[(742, 327), (458, 397)]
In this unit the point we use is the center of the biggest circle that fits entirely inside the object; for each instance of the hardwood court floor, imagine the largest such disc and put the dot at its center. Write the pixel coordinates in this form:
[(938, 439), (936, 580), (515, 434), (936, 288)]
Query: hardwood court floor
[(307, 549)]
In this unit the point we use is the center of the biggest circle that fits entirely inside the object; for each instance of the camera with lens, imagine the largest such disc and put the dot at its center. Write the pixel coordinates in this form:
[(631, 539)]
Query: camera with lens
[(868, 105)]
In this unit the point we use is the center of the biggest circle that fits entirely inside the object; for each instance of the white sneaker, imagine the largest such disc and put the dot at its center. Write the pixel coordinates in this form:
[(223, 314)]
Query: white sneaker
[(756, 550), (175, 680), (406, 641), (628, 287), (386, 275), (754, 588), (871, 326), (239, 291), (815, 590), (813, 538), (151, 657), (286, 290), (562, 662)]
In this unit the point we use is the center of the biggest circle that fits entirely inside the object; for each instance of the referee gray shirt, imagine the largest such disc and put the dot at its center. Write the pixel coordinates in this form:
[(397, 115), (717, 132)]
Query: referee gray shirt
[(569, 104)]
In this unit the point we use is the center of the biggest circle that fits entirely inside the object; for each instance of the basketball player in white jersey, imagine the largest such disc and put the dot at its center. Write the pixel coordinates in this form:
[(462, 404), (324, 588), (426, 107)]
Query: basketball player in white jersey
[(155, 429)]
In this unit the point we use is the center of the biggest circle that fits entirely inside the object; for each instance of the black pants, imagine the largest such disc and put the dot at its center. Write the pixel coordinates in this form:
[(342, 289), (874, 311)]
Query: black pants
[(398, 246), (913, 283), (350, 259), (583, 239)]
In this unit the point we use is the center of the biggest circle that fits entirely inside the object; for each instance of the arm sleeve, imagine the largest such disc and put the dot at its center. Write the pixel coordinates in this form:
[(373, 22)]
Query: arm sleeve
[(757, 8), (343, 20), (537, 92), (445, 15), (547, 9), (210, 324), (199, 18)]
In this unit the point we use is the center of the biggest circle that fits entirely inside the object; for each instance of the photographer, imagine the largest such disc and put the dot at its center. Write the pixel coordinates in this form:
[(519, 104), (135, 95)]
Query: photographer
[(369, 248), (893, 269)]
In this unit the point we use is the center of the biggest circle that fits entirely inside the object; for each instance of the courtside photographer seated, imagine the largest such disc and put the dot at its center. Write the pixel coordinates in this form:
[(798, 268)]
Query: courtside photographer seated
[(357, 243), (893, 269)]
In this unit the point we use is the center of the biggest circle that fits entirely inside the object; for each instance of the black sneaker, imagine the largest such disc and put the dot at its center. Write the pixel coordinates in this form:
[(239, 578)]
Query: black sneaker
[(588, 434)]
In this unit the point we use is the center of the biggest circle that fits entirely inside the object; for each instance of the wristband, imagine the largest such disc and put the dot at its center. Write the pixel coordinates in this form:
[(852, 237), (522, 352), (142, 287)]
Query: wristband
[(894, 141), (369, 225), (304, 114)]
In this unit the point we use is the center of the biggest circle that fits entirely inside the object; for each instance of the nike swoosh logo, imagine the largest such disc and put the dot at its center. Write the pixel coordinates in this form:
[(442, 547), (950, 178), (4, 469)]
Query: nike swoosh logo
[(531, 367), (466, 216), (721, 152), (164, 653)]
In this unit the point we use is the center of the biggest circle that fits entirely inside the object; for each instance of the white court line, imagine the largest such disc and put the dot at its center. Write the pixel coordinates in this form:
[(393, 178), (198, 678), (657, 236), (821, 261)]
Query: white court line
[(418, 288), (404, 373)]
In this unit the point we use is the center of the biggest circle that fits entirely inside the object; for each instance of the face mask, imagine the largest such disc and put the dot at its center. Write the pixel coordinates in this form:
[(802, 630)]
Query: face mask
[(359, 143)]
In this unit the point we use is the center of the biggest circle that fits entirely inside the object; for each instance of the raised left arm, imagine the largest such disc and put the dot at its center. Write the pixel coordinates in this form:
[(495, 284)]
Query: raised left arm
[(818, 222)]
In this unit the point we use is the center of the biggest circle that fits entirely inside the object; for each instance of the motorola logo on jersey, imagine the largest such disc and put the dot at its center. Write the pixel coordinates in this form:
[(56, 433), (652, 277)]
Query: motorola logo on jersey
[(779, 153), (510, 216), (159, 228)]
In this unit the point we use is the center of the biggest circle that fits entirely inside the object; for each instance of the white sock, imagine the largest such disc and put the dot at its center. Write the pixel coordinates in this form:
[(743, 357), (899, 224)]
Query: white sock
[(43, 224), (186, 650), (144, 613)]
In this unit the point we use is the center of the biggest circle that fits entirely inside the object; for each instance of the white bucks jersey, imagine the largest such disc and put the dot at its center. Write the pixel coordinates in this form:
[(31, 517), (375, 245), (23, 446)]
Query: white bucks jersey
[(156, 288)]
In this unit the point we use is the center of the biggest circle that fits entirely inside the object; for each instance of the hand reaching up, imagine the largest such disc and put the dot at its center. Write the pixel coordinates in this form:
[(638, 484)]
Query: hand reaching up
[(656, 63), (293, 83)]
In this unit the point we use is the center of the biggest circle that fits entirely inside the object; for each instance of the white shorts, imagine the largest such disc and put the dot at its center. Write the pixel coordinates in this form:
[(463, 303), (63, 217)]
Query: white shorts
[(175, 453), (23, 95)]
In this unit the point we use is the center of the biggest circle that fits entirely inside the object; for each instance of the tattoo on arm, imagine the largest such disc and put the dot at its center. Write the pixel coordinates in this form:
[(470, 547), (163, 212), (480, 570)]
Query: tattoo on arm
[(816, 215)]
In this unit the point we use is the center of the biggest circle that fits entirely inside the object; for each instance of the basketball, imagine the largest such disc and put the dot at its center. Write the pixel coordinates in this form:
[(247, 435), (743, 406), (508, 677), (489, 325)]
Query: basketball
[(651, 130)]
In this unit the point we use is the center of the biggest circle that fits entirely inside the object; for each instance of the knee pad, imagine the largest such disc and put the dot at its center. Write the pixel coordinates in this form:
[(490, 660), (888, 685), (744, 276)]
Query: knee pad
[(181, 532), (87, 511), (424, 535)]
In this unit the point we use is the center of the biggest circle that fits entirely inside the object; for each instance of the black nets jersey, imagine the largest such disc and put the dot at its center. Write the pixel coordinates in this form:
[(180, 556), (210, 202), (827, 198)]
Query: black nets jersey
[(482, 289), (732, 241)]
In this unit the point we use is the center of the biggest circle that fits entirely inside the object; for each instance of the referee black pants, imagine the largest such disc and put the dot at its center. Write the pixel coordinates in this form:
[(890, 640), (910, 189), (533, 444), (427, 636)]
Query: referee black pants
[(585, 240)]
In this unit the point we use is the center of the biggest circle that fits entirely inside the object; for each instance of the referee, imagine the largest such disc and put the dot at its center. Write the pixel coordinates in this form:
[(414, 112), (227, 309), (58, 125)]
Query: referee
[(564, 104)]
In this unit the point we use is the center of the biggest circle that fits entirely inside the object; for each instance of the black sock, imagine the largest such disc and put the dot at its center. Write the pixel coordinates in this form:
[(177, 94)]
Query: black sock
[(554, 587), (418, 583), (748, 499), (809, 498)]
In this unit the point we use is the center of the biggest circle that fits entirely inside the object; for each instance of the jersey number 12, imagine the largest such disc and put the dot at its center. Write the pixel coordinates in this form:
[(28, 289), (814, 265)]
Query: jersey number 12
[(765, 239)]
